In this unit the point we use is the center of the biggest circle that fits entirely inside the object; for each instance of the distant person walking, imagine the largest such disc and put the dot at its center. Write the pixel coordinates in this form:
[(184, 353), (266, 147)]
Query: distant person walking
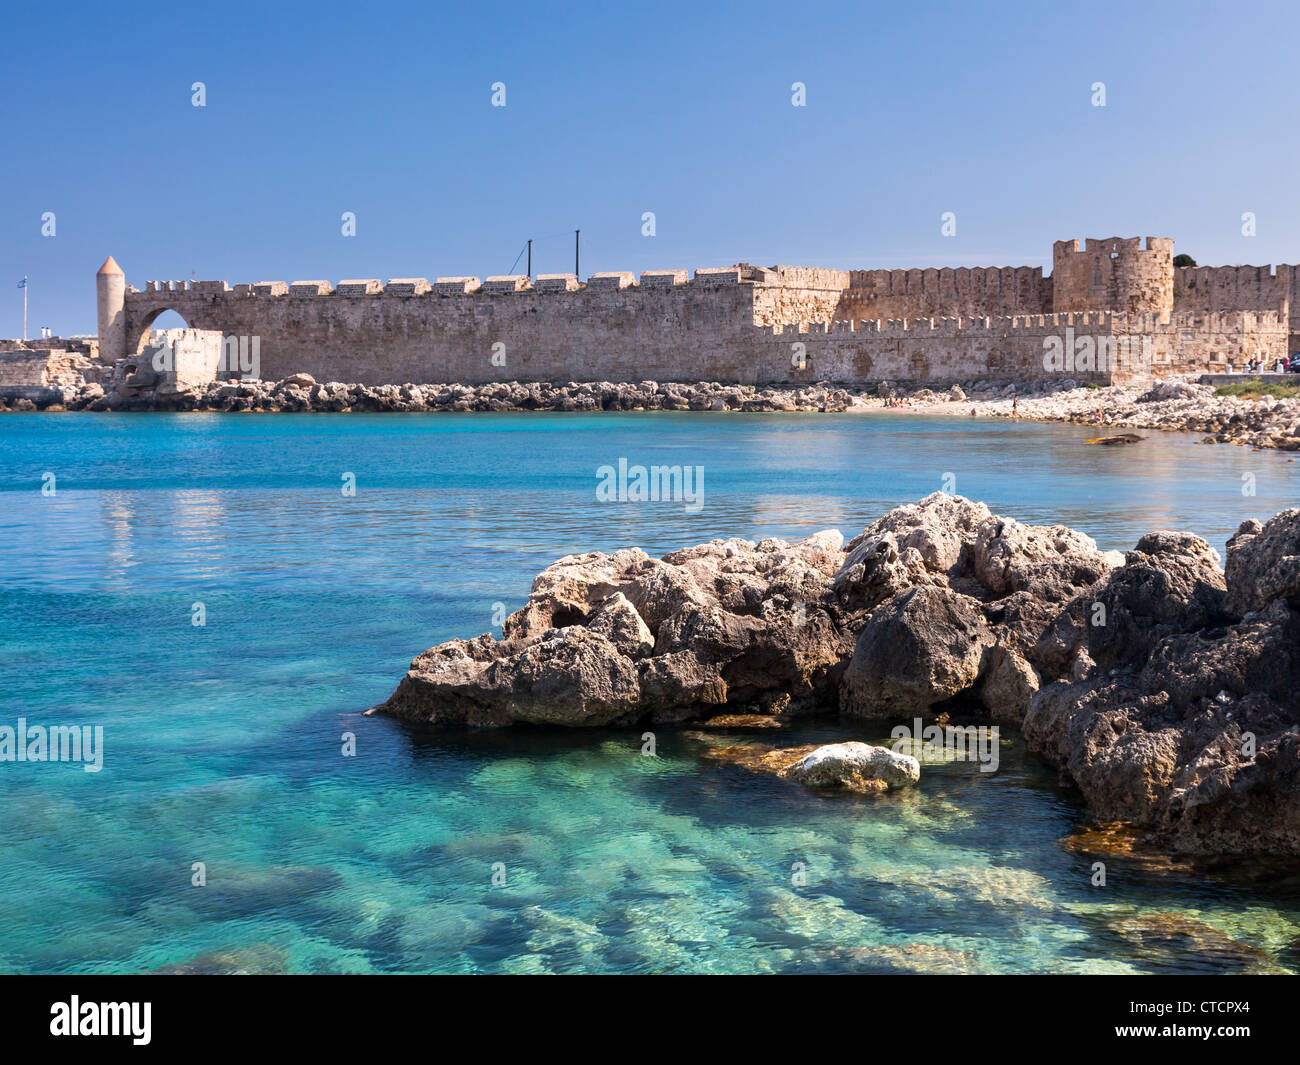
[(1015, 406)]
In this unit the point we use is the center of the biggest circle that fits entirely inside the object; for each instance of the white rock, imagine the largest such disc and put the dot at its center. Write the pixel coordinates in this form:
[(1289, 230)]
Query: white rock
[(839, 764)]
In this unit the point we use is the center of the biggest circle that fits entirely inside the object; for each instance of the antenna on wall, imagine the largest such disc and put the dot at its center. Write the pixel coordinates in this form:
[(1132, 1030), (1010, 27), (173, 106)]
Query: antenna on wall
[(530, 259), (576, 272)]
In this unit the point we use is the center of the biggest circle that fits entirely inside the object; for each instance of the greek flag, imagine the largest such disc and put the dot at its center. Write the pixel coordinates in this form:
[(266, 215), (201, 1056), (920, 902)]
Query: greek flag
[(23, 283)]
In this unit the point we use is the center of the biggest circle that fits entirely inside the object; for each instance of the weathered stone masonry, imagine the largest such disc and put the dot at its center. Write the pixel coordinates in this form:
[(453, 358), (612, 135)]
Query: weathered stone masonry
[(742, 324)]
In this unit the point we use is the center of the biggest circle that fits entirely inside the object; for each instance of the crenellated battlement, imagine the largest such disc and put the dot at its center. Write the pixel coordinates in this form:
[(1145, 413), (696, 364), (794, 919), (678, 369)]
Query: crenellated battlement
[(605, 281), (1119, 273), (946, 280), (997, 324), (1113, 246), (1100, 321), (741, 322)]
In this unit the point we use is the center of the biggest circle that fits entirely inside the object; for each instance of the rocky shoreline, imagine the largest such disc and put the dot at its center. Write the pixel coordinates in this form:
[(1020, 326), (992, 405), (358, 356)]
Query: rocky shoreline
[(1165, 688), (1173, 405), (1180, 406), (302, 393)]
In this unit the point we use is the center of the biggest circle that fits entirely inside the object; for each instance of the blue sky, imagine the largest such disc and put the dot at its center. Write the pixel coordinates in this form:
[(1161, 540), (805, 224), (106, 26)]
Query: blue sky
[(614, 110)]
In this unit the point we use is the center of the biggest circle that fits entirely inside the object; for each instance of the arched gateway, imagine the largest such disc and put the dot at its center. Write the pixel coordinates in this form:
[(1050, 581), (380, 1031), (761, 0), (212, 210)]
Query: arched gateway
[(126, 315)]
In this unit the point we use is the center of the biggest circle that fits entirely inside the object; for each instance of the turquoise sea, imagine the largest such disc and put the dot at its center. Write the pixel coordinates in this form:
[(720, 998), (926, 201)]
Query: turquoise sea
[(223, 742)]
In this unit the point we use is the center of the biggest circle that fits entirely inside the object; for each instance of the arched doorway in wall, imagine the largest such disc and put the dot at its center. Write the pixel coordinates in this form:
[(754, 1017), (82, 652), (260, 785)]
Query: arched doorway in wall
[(154, 322)]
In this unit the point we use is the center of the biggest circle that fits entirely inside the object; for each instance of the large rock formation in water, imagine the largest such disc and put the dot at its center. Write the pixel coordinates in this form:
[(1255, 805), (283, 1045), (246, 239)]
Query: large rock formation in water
[(624, 638), (1189, 723), (1166, 691)]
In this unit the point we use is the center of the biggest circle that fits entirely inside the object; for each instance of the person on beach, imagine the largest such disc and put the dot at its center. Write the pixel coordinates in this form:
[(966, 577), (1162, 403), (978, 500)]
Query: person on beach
[(1015, 406)]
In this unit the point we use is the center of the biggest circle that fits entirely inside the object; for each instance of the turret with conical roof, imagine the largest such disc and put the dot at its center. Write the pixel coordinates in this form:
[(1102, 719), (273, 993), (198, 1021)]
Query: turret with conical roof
[(110, 291)]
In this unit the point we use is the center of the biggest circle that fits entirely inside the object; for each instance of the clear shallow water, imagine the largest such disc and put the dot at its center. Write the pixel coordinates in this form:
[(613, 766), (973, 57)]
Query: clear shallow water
[(223, 741)]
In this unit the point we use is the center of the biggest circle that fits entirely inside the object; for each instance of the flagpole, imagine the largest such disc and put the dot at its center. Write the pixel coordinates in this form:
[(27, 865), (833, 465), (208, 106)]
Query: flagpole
[(24, 308)]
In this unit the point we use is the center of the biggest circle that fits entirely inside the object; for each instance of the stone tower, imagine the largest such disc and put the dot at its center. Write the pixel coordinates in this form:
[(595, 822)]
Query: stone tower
[(110, 290), (1115, 274)]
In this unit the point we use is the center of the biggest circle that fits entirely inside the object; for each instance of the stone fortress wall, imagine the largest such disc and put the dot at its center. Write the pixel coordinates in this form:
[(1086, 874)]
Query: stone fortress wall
[(945, 293), (1205, 289), (1108, 347), (1116, 274), (1117, 302), (38, 369)]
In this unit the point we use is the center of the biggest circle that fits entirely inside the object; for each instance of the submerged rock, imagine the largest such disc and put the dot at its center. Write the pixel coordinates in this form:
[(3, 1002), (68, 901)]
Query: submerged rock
[(925, 958), (757, 758), (1172, 938), (263, 959), (966, 887), (742, 723), (1124, 841)]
